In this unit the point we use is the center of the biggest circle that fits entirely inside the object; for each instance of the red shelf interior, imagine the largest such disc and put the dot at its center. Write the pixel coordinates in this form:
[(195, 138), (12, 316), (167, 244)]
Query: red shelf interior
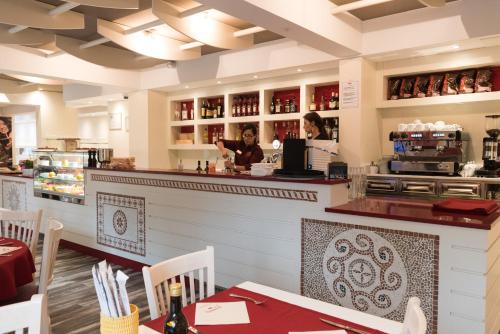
[(285, 126), (289, 94), (189, 107), (214, 128), (187, 129), (326, 92)]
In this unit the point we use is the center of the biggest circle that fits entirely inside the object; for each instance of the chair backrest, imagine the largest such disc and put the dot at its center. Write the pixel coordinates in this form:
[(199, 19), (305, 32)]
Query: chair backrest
[(50, 246), (23, 226), (198, 265), (25, 315), (415, 321)]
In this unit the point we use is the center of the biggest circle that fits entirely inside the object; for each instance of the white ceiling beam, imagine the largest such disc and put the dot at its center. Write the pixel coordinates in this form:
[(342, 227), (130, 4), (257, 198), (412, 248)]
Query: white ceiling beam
[(191, 45), (15, 29), (94, 43), (356, 5), (144, 26), (248, 31), (63, 8), (194, 10)]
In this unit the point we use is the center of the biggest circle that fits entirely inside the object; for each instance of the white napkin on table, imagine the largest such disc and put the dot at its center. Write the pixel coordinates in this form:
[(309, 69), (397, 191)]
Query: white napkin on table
[(5, 249), (224, 313)]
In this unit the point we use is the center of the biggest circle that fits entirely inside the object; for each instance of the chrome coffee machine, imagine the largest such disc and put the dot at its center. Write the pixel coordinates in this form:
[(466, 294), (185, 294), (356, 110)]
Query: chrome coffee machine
[(427, 152), (491, 148)]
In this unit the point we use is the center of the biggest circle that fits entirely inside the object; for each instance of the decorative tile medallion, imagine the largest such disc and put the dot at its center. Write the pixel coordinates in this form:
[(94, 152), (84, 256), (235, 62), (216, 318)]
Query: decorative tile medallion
[(370, 269), (14, 195), (289, 194), (121, 222)]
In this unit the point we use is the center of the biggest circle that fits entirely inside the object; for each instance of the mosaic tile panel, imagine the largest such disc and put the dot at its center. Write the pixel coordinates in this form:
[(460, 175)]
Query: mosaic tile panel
[(14, 195), (121, 222), (289, 194), (370, 269)]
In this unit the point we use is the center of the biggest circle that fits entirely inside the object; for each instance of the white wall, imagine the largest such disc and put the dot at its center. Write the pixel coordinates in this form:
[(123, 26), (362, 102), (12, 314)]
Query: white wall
[(119, 139)]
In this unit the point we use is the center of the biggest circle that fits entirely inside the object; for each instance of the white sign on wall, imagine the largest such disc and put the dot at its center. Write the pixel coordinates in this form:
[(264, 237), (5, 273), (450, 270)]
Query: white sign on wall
[(115, 121), (349, 97)]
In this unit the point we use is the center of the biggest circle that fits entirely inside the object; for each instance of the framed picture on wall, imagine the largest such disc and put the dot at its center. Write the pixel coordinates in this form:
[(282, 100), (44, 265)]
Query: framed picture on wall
[(115, 121)]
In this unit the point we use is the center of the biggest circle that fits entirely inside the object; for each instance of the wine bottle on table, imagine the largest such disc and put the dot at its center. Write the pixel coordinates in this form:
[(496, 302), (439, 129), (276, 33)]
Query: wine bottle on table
[(176, 322), (198, 169)]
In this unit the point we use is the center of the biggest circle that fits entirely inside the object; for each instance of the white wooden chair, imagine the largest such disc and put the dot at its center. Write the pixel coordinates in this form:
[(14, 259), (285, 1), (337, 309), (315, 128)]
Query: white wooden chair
[(25, 315), (50, 246), (158, 277), (23, 226), (415, 321)]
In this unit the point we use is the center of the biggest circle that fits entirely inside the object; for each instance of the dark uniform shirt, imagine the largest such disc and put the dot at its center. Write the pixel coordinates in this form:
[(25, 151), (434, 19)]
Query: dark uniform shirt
[(322, 136), (244, 155)]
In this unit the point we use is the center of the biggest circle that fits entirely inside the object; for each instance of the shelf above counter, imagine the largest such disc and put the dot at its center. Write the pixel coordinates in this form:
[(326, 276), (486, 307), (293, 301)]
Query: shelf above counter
[(440, 100), (192, 147)]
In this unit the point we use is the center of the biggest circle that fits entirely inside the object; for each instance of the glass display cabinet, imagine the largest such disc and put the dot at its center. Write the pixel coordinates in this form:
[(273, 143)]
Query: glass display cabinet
[(59, 175)]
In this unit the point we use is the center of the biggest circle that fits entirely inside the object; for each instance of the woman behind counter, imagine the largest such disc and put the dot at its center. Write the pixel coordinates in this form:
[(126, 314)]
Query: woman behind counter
[(246, 151), (313, 124)]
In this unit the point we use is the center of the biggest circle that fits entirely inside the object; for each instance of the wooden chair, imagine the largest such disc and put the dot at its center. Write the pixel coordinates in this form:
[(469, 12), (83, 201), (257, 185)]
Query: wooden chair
[(49, 253), (158, 277), (415, 321), (23, 226), (25, 315)]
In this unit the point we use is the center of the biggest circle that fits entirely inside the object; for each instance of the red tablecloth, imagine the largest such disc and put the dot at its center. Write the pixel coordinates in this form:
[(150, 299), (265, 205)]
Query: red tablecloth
[(272, 317), (473, 206), (15, 270)]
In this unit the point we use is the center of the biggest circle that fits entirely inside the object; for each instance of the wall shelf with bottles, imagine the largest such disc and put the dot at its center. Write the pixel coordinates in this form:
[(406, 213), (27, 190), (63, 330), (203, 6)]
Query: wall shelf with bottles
[(211, 107), (282, 101), (323, 98), (208, 133), (182, 135), (281, 130), (235, 130), (183, 110), (244, 104)]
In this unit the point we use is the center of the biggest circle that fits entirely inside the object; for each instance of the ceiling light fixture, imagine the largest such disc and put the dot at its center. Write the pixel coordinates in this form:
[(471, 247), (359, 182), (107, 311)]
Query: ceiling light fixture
[(186, 86), (455, 46), (255, 76), (299, 70), (219, 82)]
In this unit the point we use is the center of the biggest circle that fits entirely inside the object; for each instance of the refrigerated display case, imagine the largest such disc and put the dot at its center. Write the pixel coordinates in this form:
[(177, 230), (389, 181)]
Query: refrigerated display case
[(59, 175)]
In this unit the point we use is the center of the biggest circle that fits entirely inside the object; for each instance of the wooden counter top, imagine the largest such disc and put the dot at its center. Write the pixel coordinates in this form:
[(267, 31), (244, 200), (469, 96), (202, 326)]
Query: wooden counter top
[(19, 175), (238, 176), (414, 210)]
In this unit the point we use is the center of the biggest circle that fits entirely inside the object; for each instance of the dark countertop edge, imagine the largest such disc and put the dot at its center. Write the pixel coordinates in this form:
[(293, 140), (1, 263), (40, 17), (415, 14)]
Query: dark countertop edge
[(223, 176), (16, 175), (482, 222)]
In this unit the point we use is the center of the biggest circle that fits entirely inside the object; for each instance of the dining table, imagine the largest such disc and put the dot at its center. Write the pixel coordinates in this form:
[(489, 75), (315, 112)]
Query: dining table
[(282, 312), (16, 268)]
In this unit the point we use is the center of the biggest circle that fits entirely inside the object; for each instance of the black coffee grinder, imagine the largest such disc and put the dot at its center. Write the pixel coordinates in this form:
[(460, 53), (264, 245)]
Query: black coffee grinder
[(491, 148), (295, 161)]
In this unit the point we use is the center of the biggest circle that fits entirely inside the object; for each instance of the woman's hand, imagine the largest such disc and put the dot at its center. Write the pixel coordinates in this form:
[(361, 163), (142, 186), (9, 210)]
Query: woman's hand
[(228, 164), (222, 149)]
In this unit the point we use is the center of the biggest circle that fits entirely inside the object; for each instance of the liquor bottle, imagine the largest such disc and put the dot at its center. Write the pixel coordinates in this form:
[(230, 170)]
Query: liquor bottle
[(233, 109), (220, 109), (184, 112), (199, 170), (191, 112), (205, 135), (328, 129), (215, 111), (255, 107), (238, 108), (243, 106), (177, 114), (204, 109), (293, 106), (331, 103), (206, 170), (276, 135), (312, 106), (288, 132), (249, 106), (272, 107), (215, 135), (287, 106), (221, 134), (294, 131), (337, 101), (322, 103), (278, 106), (283, 126)]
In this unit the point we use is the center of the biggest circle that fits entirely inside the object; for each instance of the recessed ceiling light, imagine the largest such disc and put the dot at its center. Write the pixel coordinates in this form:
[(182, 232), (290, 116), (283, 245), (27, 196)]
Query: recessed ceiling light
[(219, 82), (455, 46), (299, 70), (255, 76), (89, 102), (186, 86)]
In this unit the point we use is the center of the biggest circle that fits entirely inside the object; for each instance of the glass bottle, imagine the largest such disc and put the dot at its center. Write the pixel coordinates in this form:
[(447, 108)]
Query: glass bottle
[(294, 131), (199, 170), (337, 101), (184, 112), (249, 107), (215, 135), (272, 107), (328, 129), (293, 106), (312, 106), (255, 107), (177, 115), (287, 106), (322, 103), (276, 135), (206, 166), (238, 108), (204, 109), (278, 106), (233, 110), (220, 109), (331, 103)]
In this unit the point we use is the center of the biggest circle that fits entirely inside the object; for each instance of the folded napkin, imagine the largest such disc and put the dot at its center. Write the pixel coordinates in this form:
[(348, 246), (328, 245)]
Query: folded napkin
[(473, 206), (222, 313), (5, 249)]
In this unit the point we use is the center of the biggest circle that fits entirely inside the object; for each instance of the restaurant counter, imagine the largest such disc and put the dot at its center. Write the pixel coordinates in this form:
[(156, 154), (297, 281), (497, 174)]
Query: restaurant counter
[(277, 232)]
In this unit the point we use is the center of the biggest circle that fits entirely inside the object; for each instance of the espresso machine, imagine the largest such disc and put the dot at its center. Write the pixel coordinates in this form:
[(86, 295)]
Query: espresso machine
[(428, 152), (491, 148)]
